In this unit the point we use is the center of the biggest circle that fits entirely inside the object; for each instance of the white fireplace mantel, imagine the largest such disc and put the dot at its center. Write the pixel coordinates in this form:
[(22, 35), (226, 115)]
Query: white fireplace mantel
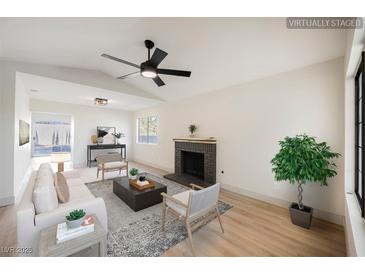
[(208, 140)]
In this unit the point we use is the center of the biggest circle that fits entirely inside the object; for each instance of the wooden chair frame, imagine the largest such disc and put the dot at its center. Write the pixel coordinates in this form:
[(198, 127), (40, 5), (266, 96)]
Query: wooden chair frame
[(210, 214), (101, 166)]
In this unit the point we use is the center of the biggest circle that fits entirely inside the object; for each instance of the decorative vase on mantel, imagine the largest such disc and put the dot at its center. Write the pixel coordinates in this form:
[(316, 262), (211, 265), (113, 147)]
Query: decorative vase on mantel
[(192, 129)]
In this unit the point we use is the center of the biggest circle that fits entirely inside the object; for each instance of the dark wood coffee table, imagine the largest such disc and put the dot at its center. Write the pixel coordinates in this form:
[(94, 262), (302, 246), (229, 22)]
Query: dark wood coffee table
[(137, 199)]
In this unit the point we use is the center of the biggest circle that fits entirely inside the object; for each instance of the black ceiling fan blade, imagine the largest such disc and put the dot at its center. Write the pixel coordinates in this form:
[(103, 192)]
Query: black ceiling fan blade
[(174, 72), (129, 75), (157, 57), (119, 60), (158, 81)]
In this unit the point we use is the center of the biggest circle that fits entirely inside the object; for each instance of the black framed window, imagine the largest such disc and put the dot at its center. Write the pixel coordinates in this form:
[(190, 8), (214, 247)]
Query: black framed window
[(359, 135)]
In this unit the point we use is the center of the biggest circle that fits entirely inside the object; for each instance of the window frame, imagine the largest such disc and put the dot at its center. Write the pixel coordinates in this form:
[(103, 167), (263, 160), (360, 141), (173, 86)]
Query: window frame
[(148, 130), (359, 140)]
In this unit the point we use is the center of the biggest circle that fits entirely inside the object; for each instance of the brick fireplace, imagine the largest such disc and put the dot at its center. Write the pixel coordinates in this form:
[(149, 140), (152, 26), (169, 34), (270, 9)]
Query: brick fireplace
[(195, 161)]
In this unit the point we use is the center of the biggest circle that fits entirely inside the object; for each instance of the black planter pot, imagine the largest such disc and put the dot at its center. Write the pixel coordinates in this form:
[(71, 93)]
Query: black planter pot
[(302, 217)]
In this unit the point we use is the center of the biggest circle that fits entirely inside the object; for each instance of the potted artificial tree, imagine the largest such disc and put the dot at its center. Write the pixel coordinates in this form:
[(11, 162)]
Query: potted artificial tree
[(300, 160)]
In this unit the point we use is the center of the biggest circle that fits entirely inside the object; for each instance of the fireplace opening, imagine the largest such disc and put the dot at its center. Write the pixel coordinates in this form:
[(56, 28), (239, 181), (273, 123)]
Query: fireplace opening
[(193, 163)]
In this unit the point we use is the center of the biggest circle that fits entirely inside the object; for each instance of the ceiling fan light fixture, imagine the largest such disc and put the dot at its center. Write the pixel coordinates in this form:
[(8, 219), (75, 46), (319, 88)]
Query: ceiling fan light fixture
[(149, 73), (150, 68)]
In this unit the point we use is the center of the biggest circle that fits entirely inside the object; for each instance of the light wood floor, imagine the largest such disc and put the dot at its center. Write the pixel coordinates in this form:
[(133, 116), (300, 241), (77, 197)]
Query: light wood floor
[(252, 228), (7, 228), (255, 228)]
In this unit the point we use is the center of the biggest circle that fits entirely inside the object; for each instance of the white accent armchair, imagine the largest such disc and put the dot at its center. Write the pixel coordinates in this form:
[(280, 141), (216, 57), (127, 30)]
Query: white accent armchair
[(192, 205)]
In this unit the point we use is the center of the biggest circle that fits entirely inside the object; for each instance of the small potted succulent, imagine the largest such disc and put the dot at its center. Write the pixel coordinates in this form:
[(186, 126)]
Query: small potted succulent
[(75, 218), (133, 173), (118, 136), (192, 129)]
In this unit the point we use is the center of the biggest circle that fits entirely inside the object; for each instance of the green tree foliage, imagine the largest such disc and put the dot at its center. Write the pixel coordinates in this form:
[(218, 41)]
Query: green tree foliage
[(302, 159)]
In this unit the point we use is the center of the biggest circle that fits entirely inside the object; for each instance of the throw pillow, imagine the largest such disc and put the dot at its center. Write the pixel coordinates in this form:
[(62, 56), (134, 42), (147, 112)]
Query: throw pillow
[(44, 195), (62, 188), (45, 170)]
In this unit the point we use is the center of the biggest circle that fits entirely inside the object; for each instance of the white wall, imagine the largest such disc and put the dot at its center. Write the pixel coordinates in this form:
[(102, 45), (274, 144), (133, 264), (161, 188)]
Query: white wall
[(22, 158), (7, 89), (15, 160), (85, 121), (248, 121)]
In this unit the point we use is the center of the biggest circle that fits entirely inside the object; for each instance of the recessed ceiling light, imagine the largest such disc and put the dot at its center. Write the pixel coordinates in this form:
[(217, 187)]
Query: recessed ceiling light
[(33, 90), (101, 101)]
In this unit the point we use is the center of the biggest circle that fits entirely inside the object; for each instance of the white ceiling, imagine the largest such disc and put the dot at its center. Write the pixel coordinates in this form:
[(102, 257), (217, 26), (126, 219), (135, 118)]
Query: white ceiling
[(43, 88), (220, 52)]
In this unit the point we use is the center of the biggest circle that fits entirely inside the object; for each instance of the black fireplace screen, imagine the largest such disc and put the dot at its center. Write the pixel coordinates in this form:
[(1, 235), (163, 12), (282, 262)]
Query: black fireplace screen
[(193, 163)]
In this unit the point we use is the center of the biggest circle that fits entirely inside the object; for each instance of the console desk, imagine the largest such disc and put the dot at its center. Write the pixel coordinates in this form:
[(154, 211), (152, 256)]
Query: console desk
[(90, 148)]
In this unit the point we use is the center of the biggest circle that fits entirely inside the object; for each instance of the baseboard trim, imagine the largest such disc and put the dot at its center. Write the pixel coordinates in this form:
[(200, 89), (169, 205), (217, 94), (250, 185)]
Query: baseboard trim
[(318, 213), (153, 165), (5, 201)]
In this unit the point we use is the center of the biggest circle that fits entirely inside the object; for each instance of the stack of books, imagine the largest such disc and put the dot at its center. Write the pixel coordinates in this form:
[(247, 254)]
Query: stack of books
[(64, 233)]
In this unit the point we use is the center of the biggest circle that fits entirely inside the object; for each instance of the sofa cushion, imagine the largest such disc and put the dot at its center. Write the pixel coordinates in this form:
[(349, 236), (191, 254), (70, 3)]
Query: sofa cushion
[(44, 195), (62, 188), (45, 166), (182, 197), (78, 193), (45, 169), (71, 174), (74, 182)]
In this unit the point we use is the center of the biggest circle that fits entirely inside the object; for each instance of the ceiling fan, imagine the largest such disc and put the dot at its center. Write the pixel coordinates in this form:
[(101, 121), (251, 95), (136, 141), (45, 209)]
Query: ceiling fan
[(149, 68)]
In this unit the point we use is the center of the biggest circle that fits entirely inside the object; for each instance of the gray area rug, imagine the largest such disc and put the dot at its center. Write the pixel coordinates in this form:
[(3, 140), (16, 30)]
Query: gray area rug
[(138, 234)]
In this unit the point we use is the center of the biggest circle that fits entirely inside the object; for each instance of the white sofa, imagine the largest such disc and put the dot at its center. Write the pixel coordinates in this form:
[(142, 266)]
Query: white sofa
[(29, 223)]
